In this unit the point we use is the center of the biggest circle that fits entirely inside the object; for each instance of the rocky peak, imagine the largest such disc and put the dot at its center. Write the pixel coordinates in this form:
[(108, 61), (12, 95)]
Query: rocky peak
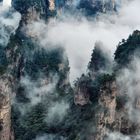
[(39, 78), (81, 93), (81, 96), (51, 5), (92, 7), (100, 60), (34, 8), (127, 49)]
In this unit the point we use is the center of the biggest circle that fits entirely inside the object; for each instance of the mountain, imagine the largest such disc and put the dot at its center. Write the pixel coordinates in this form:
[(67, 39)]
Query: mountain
[(102, 91), (124, 55), (37, 100), (92, 7), (51, 7)]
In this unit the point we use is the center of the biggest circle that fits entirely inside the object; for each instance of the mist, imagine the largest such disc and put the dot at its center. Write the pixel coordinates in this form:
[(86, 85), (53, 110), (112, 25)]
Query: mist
[(9, 22), (43, 91), (119, 136), (78, 35), (7, 3), (37, 90), (57, 111), (49, 137), (129, 83)]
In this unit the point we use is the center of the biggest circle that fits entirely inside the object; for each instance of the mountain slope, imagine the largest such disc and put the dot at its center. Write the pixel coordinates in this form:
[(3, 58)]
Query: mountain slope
[(37, 100)]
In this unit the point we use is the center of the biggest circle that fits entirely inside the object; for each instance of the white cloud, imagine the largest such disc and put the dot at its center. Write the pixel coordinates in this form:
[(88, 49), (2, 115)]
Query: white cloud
[(129, 83), (36, 91), (43, 91), (49, 137), (79, 36), (7, 3), (9, 22), (57, 111), (119, 136)]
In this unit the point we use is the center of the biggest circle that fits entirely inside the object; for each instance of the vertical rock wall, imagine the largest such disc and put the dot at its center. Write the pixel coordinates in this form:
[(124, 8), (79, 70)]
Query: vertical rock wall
[(5, 109)]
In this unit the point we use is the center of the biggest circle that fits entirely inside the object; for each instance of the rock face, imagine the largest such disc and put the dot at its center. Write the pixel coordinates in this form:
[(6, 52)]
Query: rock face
[(5, 109), (107, 103), (81, 92), (81, 96), (32, 7), (52, 5), (47, 8), (108, 117), (39, 74), (92, 7)]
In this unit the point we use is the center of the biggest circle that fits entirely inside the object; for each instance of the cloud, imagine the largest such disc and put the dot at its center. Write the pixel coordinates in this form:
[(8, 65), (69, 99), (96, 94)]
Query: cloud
[(119, 136), (129, 83), (38, 90), (79, 36), (7, 3), (9, 22), (49, 137), (57, 111), (43, 91)]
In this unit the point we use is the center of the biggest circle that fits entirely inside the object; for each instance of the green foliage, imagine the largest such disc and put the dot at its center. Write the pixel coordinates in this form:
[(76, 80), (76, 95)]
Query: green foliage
[(3, 61), (34, 62), (78, 121), (91, 8), (41, 6), (103, 78), (127, 49), (1, 127), (88, 8), (99, 59), (2, 70), (34, 59), (22, 5), (121, 101), (16, 122), (44, 61), (21, 48), (32, 123), (21, 96), (97, 83), (93, 85)]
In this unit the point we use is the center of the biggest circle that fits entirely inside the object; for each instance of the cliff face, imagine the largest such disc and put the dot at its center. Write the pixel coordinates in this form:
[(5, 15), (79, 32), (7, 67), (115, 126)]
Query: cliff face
[(81, 96), (109, 117), (107, 120), (52, 5), (117, 104), (47, 8), (37, 80), (5, 109), (104, 104), (92, 7), (34, 9)]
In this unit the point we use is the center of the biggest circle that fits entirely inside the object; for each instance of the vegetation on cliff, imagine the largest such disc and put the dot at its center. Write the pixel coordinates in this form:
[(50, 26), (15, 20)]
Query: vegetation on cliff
[(43, 100), (127, 49)]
